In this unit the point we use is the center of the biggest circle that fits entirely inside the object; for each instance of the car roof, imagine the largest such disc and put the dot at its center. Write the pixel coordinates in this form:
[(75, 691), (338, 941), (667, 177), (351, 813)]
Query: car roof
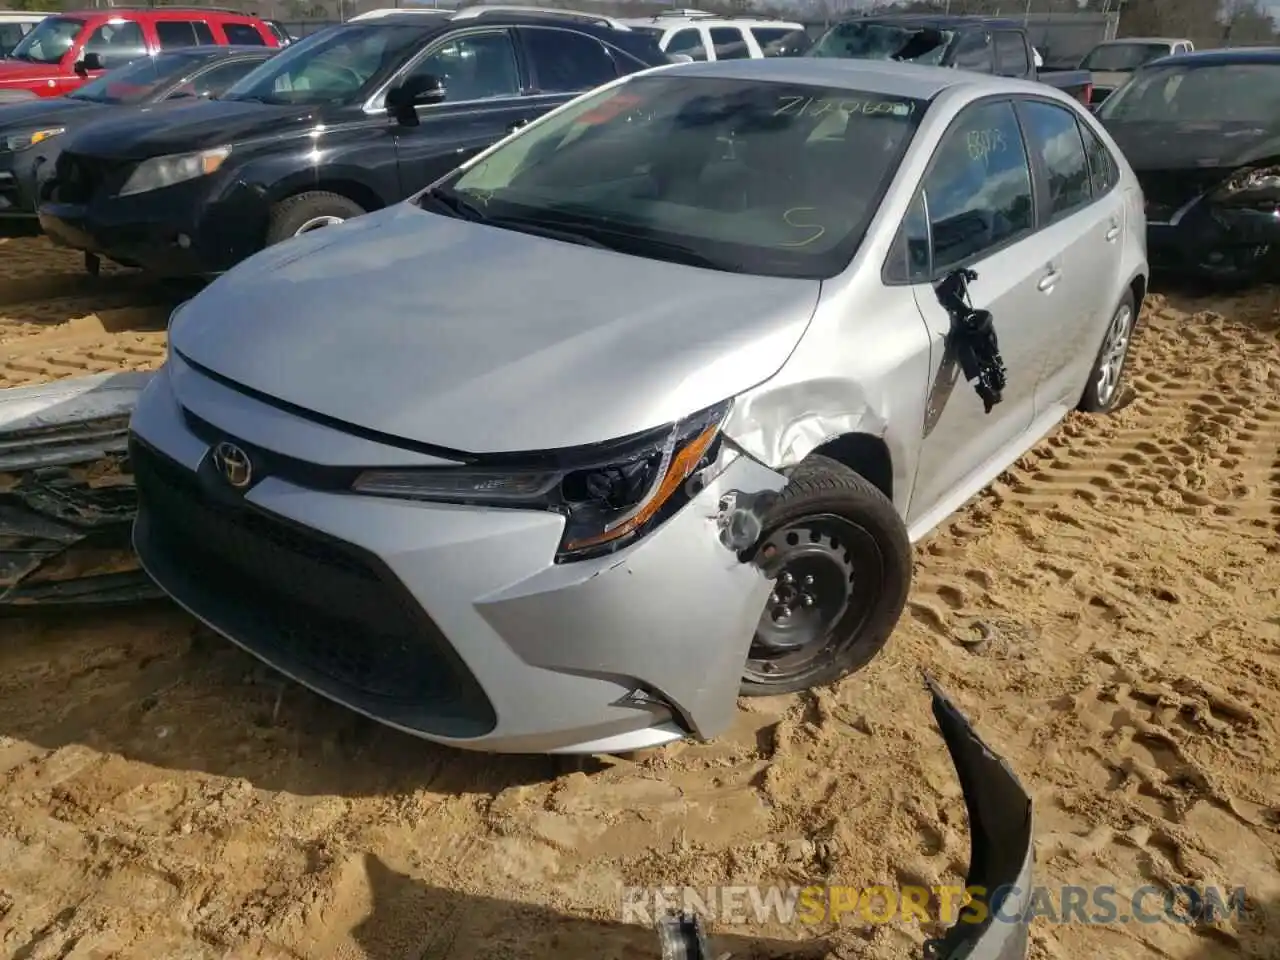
[(886, 77), (216, 12), (444, 22), (1120, 41), (1208, 58), (943, 21)]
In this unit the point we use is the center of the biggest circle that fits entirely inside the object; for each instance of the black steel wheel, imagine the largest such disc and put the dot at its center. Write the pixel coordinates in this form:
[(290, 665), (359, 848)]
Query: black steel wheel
[(840, 561)]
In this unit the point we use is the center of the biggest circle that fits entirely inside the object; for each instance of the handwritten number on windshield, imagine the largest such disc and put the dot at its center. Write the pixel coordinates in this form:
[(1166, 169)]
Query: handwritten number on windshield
[(813, 107), (794, 218), (983, 143)]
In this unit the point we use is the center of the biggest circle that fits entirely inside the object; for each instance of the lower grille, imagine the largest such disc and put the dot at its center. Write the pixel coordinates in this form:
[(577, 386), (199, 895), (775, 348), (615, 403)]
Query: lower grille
[(317, 608)]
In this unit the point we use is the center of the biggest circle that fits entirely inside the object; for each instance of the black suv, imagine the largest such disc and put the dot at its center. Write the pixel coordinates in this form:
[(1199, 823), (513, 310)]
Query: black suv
[(348, 120)]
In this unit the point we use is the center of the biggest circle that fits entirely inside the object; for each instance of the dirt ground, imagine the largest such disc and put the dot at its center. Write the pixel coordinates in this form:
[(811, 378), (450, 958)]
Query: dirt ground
[(161, 796)]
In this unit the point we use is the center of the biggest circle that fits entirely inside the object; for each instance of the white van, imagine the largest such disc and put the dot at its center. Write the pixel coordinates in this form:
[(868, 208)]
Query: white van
[(707, 36)]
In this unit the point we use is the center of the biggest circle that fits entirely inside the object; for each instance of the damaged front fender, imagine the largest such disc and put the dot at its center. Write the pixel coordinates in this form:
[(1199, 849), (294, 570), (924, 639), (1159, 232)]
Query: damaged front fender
[(67, 500), (994, 926)]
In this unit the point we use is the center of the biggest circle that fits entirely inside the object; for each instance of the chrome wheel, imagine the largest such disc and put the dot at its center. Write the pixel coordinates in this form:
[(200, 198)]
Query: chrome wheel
[(315, 223), (1115, 347)]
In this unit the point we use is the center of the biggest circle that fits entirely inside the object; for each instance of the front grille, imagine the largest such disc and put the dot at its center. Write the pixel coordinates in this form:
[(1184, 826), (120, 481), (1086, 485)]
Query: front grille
[(78, 178), (316, 607)]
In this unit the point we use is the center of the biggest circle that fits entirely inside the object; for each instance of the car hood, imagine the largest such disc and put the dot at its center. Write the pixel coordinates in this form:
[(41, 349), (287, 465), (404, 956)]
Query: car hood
[(1173, 145), (15, 72), (209, 123), (30, 114), (484, 340)]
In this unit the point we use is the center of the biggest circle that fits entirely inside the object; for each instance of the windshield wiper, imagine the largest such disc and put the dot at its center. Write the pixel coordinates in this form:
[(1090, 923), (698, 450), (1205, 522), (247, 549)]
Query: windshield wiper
[(456, 204)]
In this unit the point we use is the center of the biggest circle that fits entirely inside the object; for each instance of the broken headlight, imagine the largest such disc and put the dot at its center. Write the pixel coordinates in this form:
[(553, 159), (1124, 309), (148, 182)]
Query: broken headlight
[(1260, 183), (608, 499)]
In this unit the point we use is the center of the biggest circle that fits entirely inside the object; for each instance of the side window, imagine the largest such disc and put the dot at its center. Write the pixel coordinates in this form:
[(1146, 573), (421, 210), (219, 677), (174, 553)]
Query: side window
[(243, 34), (729, 43), (978, 191), (10, 34), (176, 33), (1054, 135), (973, 52), (216, 79), (1011, 54), (689, 42), (476, 66), (909, 258), (1104, 172), (117, 43), (565, 62), (774, 40), (204, 36)]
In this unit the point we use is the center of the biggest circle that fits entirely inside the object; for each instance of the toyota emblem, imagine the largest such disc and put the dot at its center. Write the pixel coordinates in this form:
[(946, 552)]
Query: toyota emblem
[(234, 465)]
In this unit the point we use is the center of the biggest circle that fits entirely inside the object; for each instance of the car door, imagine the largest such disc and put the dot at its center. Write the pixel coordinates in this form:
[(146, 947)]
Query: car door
[(484, 85), (975, 209), (1083, 233)]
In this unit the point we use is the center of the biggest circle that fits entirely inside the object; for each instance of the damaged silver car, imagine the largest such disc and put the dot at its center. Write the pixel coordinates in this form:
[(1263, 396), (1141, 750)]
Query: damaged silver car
[(641, 409)]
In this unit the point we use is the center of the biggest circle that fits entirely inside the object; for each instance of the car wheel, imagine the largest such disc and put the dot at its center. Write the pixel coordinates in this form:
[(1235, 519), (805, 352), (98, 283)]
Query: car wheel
[(1103, 391), (840, 561), (309, 211)]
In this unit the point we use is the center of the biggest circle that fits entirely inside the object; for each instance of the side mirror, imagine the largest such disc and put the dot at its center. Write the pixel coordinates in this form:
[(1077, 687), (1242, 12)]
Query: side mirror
[(90, 61), (415, 92)]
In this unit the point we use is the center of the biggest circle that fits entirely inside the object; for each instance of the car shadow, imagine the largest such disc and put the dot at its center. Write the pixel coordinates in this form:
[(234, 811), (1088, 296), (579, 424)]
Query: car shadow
[(411, 919)]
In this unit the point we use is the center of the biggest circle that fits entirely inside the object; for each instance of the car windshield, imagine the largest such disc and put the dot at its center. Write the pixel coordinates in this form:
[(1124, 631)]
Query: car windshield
[(1123, 57), (883, 41), (136, 81), (337, 65), (49, 41), (1231, 92), (750, 177)]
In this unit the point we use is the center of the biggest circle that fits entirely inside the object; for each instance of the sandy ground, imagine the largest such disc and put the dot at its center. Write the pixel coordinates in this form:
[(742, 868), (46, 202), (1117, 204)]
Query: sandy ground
[(162, 796)]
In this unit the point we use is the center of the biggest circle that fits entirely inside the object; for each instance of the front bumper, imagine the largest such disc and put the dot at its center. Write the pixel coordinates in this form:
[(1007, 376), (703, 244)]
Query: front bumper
[(452, 623), (1211, 239), (193, 229)]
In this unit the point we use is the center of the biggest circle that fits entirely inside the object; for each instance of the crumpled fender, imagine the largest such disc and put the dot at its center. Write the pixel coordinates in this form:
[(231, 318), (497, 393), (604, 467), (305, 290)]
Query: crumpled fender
[(67, 500)]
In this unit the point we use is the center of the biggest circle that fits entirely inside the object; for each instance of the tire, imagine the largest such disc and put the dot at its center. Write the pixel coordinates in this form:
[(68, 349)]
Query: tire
[(1093, 400), (308, 211), (855, 538)]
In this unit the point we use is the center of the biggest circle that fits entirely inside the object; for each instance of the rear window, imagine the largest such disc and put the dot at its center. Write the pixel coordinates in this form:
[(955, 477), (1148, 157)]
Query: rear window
[(243, 34), (1123, 57), (781, 41)]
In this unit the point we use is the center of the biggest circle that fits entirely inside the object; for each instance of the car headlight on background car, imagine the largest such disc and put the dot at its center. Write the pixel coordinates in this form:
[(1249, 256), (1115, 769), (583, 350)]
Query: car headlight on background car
[(1250, 184), (161, 172), (609, 500), (21, 141)]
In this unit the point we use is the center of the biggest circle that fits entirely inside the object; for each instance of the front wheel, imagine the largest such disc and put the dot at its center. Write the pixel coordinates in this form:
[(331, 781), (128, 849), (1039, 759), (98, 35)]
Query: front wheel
[(1103, 391), (840, 561), (309, 211)]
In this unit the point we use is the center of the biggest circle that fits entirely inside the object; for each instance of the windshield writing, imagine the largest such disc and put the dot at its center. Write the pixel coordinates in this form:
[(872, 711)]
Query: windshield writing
[(49, 41), (878, 41), (1234, 93), (774, 179), (135, 82)]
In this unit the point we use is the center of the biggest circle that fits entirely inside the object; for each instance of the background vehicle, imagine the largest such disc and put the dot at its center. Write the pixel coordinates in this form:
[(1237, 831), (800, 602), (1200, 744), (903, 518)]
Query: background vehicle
[(511, 543), (1201, 133), (1111, 63), (67, 49), (31, 133), (341, 123), (709, 37), (978, 44), (14, 25)]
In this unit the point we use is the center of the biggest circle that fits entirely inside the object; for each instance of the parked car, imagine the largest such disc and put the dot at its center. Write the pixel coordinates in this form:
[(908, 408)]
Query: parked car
[(1200, 131), (1112, 62), (67, 50), (346, 121), (14, 25), (979, 44), (486, 481), (32, 133), (712, 37)]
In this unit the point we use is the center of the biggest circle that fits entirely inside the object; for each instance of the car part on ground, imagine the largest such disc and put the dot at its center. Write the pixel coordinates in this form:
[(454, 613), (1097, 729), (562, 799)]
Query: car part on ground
[(66, 50), (535, 508), (1200, 132), (1001, 858), (196, 194), (67, 501), (31, 137)]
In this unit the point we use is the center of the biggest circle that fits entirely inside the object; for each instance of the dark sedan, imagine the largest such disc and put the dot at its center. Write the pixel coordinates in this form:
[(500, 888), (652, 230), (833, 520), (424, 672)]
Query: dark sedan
[(348, 120), (1202, 133), (32, 132)]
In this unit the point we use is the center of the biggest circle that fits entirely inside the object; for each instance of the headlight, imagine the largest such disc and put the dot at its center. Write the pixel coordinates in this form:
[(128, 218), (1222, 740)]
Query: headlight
[(165, 171), (1248, 184), (21, 141), (608, 500)]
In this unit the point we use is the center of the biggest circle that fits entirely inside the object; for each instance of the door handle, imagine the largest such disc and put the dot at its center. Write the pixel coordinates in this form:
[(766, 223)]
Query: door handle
[(1113, 233), (513, 127), (1049, 281)]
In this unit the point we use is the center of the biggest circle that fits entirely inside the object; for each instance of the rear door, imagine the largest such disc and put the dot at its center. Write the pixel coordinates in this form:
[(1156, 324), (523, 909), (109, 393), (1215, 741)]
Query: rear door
[(178, 32), (484, 83), (976, 209), (1081, 231)]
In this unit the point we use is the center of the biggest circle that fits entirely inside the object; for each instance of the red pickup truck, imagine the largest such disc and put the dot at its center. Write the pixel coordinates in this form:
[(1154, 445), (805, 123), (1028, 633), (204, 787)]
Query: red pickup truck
[(68, 49)]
